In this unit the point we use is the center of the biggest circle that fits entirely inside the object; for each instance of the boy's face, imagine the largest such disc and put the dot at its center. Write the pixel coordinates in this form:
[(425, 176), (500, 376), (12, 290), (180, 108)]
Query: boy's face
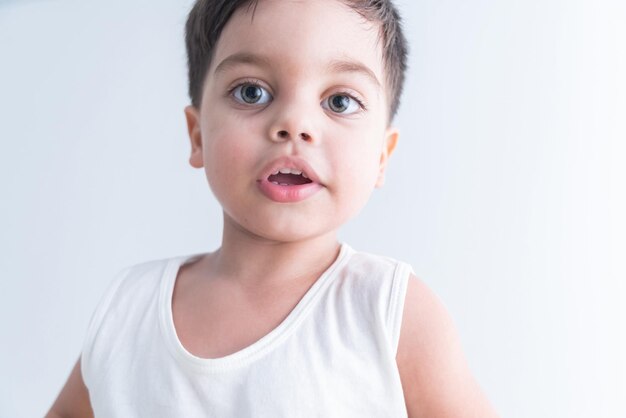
[(287, 83)]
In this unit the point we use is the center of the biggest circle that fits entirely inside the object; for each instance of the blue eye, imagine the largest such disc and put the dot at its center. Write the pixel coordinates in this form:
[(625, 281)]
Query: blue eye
[(342, 103), (250, 93)]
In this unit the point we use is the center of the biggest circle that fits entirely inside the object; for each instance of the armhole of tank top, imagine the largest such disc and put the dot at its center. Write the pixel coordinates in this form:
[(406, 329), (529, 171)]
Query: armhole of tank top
[(96, 320), (396, 303)]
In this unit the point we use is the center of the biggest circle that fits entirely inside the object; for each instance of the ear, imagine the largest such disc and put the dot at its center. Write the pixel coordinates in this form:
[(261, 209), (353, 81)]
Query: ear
[(195, 136), (389, 144)]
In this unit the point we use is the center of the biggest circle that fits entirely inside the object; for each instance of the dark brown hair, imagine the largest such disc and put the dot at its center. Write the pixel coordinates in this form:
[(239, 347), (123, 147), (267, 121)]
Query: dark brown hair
[(207, 19)]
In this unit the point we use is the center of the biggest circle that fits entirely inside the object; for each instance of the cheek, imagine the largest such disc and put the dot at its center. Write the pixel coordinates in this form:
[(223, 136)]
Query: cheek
[(359, 174), (227, 152)]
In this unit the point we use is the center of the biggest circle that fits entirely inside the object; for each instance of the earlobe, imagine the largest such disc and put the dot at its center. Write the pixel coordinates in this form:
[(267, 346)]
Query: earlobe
[(195, 136), (389, 145)]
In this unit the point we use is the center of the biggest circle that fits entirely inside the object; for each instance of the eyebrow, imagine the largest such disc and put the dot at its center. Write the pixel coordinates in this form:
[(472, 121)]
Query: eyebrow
[(351, 66), (241, 58), (337, 66)]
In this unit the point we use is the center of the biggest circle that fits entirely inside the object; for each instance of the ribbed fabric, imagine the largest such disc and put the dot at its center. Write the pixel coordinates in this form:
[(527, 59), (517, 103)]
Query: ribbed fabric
[(333, 356)]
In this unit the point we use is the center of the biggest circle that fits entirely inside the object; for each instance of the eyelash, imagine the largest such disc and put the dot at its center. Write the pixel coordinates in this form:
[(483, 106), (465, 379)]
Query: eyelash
[(257, 83), (250, 81), (352, 96)]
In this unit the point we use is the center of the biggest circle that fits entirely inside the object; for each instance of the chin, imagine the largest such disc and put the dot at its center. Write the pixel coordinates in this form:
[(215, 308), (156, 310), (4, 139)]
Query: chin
[(289, 235), (289, 231)]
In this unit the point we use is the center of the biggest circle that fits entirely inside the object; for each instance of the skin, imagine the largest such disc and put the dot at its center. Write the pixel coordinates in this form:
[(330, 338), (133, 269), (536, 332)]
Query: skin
[(301, 63), (234, 141)]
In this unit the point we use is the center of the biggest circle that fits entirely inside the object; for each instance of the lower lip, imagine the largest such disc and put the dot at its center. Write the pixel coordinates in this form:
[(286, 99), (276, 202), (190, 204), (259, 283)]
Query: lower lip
[(288, 194)]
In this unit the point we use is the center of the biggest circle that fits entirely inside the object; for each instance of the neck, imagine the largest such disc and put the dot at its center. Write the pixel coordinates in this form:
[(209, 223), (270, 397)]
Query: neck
[(257, 262)]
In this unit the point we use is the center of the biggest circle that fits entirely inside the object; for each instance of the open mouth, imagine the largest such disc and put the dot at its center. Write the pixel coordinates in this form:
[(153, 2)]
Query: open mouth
[(288, 179)]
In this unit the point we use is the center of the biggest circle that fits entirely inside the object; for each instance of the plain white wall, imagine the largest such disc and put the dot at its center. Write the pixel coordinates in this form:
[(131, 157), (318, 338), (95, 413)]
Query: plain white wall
[(506, 194)]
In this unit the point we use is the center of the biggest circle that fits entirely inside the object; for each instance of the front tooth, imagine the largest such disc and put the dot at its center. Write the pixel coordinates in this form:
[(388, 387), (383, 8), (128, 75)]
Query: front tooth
[(289, 171)]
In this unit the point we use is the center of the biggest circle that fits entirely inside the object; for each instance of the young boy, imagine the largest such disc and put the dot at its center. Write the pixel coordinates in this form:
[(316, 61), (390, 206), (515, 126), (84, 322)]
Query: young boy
[(290, 118)]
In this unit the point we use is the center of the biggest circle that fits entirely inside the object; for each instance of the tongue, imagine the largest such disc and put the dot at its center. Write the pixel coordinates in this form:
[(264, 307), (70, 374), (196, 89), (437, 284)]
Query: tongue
[(291, 179)]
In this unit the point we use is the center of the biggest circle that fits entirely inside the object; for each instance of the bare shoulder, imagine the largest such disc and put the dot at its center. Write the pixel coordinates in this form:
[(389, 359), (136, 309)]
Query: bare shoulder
[(435, 376), (73, 400)]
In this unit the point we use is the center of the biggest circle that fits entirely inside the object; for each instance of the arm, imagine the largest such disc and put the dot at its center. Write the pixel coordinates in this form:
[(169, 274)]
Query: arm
[(73, 401), (435, 376)]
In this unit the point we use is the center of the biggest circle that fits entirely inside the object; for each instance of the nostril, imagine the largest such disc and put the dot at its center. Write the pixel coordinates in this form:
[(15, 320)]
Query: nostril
[(283, 134), (305, 136)]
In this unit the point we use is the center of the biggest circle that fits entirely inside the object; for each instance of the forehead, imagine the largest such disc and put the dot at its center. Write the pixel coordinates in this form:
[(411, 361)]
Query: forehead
[(302, 36)]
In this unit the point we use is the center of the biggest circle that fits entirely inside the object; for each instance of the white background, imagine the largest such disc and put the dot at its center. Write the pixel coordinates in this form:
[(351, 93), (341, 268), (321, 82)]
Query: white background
[(506, 194)]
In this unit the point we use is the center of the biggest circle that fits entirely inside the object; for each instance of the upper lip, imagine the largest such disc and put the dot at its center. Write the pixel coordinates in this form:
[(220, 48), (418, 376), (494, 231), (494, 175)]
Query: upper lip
[(293, 163)]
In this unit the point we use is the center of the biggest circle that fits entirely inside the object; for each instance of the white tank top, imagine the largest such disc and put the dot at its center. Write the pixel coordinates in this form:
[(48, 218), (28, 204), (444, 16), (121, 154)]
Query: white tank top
[(333, 356)]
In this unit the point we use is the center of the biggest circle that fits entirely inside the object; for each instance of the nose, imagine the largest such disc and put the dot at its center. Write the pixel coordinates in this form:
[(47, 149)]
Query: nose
[(293, 122), (285, 135)]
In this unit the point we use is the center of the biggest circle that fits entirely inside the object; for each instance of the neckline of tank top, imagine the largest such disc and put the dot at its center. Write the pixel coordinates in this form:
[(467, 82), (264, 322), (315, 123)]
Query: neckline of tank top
[(258, 348)]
